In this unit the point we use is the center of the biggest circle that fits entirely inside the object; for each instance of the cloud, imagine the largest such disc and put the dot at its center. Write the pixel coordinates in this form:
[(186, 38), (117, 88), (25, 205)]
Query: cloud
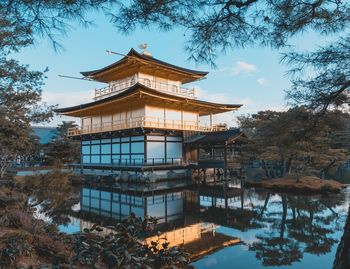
[(241, 67), (69, 98), (263, 81), (65, 99), (210, 96)]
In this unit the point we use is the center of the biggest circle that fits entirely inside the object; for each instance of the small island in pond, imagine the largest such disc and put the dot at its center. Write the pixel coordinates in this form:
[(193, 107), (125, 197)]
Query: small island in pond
[(305, 185)]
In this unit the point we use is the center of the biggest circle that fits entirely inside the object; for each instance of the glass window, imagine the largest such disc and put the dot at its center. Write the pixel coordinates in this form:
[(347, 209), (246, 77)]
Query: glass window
[(106, 205), (115, 196), (87, 142), (153, 137), (138, 201), (95, 149), (86, 201), (115, 158), (95, 141), (137, 159), (86, 159), (124, 198), (116, 140), (95, 193), (103, 141), (95, 203), (95, 159), (137, 147), (174, 150), (106, 149), (115, 208), (106, 159), (155, 150), (125, 148), (174, 138), (115, 148), (86, 192), (125, 139), (85, 149), (137, 138)]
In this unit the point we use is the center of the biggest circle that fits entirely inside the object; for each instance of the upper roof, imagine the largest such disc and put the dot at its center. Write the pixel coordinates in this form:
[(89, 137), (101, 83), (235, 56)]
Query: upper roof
[(141, 94), (134, 62)]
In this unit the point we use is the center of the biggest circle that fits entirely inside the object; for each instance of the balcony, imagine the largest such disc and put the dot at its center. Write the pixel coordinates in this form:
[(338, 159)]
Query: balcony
[(145, 122), (159, 86)]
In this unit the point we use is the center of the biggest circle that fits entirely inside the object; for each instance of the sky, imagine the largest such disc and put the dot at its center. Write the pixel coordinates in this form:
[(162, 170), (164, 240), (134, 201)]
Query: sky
[(251, 76)]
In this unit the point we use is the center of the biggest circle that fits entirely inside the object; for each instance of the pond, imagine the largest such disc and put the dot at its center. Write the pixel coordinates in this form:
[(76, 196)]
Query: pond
[(275, 230)]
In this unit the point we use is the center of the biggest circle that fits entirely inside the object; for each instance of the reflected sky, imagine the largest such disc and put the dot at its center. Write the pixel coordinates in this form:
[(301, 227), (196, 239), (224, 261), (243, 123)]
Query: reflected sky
[(276, 230)]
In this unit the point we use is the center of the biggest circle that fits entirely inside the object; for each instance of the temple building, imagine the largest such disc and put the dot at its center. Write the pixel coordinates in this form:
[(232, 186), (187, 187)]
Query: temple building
[(143, 118)]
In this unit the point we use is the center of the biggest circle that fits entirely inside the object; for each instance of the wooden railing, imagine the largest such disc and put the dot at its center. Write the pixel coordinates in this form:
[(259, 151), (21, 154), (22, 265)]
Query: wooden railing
[(149, 162), (160, 86), (147, 122)]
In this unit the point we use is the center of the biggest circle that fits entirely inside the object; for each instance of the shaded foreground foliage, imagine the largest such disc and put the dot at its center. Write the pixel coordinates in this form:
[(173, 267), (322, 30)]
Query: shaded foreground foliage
[(25, 240)]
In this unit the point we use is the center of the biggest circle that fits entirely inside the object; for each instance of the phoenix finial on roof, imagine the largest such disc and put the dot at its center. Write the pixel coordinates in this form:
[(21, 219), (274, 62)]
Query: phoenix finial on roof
[(144, 48)]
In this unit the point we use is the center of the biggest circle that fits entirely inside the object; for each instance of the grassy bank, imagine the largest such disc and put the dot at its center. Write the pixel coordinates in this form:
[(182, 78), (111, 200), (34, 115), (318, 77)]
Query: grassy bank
[(305, 185)]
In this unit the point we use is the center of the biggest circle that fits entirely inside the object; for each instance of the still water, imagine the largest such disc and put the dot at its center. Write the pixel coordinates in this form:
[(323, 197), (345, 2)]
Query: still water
[(276, 230)]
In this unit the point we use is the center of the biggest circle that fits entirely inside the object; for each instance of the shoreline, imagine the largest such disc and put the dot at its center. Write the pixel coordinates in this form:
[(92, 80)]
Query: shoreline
[(306, 185)]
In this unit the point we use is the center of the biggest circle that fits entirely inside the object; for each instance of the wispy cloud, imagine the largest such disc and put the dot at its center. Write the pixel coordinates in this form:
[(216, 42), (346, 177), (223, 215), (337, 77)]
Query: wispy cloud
[(263, 81), (242, 67), (65, 99)]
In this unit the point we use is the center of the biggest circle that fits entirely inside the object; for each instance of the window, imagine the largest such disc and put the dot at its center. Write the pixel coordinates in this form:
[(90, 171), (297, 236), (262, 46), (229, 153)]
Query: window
[(174, 138), (85, 149), (157, 138), (125, 139), (95, 159), (86, 159), (115, 148), (95, 149), (106, 149), (137, 147), (137, 138), (106, 159), (155, 150), (173, 150), (125, 148)]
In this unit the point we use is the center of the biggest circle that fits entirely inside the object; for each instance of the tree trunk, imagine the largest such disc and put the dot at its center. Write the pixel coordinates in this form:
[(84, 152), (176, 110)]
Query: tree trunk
[(267, 172), (284, 216), (3, 167), (342, 257), (265, 204)]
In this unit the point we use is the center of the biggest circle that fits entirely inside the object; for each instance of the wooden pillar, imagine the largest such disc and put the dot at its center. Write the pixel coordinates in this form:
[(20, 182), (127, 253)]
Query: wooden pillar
[(211, 121), (166, 207), (214, 176), (225, 175), (82, 157), (144, 206)]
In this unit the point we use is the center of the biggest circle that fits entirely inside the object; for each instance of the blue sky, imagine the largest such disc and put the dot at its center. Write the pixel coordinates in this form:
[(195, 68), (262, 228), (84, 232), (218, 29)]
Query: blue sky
[(252, 76)]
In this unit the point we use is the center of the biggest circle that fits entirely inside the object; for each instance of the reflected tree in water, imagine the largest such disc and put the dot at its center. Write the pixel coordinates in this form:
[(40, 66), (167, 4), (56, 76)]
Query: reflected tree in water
[(52, 194), (297, 225)]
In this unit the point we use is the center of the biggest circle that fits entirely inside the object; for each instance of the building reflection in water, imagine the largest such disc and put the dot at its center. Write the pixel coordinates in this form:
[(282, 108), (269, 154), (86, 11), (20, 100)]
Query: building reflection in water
[(204, 219), (177, 210)]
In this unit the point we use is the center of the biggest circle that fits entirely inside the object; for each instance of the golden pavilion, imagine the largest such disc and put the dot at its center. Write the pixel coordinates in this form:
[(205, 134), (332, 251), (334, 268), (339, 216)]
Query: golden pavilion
[(143, 117)]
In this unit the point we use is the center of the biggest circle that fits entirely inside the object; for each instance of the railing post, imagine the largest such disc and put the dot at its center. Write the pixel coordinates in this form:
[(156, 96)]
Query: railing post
[(153, 161)]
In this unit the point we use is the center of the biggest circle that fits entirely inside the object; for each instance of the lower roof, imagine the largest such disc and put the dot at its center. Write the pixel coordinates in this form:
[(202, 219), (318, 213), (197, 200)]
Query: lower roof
[(139, 95), (229, 136)]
